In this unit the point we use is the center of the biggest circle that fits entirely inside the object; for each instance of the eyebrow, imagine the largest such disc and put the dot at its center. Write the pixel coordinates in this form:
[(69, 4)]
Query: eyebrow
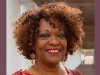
[(48, 30)]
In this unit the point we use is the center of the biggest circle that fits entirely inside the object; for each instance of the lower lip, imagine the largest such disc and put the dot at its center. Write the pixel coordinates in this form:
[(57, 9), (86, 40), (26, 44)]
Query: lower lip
[(53, 52)]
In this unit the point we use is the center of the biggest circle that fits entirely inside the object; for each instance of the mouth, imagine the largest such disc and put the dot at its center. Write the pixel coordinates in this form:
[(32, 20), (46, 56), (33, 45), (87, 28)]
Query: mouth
[(53, 51)]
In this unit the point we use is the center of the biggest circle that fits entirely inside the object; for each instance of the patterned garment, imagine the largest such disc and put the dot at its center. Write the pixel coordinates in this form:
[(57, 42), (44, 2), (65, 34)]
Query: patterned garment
[(27, 72)]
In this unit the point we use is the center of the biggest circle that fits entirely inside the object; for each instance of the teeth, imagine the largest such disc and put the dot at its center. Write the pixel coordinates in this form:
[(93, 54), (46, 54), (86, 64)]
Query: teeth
[(53, 51), (56, 50)]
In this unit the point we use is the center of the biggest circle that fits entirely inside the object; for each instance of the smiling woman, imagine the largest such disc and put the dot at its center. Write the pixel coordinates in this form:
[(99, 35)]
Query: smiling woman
[(51, 44), (47, 35)]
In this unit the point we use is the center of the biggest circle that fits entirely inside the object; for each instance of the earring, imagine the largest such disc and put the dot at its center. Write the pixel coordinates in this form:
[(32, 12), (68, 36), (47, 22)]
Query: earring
[(33, 57)]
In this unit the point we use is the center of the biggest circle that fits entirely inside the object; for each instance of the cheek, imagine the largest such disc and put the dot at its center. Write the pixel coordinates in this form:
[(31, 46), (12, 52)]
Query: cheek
[(40, 45), (38, 48), (64, 44)]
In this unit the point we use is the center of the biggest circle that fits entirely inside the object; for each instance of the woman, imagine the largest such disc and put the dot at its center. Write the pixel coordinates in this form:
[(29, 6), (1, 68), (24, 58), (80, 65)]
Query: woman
[(47, 35)]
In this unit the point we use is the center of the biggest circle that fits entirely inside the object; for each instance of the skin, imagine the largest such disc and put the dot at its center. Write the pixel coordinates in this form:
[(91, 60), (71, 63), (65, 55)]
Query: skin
[(49, 37)]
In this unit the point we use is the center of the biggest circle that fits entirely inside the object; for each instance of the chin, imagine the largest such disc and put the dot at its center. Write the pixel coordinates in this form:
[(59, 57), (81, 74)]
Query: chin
[(54, 61)]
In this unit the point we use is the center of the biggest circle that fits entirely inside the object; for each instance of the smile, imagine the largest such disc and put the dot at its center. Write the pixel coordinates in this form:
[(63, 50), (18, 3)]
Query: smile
[(53, 51)]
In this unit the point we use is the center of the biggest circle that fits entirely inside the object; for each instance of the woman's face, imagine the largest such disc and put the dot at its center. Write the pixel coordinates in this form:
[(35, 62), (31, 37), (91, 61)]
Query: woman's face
[(51, 43)]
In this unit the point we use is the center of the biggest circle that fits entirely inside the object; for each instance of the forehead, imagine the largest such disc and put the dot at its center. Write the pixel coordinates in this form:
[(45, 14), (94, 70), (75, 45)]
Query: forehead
[(46, 24)]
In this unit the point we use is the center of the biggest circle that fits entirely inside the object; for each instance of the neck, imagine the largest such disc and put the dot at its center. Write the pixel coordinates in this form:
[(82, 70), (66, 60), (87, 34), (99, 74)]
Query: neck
[(47, 68)]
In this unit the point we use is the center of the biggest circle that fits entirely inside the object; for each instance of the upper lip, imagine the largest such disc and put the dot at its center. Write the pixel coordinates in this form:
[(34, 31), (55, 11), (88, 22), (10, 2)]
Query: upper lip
[(53, 49)]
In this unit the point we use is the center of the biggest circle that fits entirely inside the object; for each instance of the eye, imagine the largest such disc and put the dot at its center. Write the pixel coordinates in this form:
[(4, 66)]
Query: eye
[(61, 35), (44, 35)]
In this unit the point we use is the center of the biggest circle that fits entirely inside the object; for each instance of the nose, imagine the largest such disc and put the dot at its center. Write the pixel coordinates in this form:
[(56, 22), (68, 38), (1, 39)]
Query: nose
[(54, 41)]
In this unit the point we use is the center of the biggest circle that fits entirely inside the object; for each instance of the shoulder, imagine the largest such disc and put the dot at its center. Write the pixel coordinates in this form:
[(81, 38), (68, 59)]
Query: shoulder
[(29, 71), (23, 72), (70, 72), (78, 72), (33, 70), (18, 72), (74, 72)]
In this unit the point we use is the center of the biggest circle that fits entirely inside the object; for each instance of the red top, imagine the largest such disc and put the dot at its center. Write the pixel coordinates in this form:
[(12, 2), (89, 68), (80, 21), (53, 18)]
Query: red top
[(27, 72)]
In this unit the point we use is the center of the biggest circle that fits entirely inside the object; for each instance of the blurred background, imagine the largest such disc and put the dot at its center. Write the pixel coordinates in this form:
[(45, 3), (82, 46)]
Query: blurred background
[(82, 60)]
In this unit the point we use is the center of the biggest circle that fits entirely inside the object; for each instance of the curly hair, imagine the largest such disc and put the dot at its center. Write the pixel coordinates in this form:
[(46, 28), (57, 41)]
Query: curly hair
[(27, 26)]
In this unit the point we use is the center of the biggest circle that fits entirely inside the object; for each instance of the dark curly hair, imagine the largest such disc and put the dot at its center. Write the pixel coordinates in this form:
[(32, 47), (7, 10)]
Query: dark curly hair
[(27, 26)]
